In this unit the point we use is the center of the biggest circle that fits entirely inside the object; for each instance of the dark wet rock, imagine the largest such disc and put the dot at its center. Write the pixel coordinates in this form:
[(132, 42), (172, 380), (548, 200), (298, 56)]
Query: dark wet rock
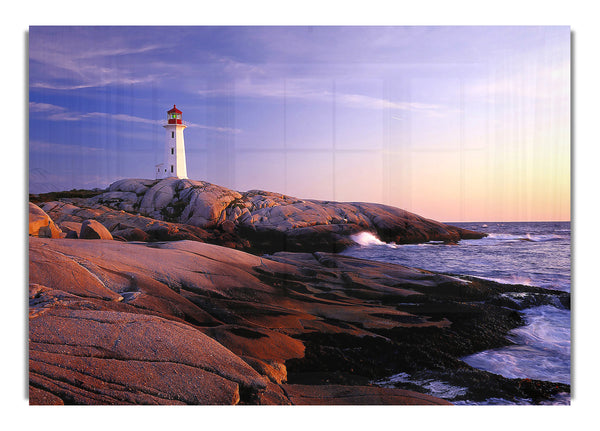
[(356, 395)]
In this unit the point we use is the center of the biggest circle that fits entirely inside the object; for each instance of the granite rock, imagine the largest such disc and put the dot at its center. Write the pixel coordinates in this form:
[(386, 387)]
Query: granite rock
[(186, 322), (272, 221), (92, 229), (40, 223)]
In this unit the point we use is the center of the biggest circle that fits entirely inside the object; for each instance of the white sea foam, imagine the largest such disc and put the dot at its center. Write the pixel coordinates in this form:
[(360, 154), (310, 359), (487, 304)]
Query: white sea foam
[(366, 239), (525, 237), (513, 279), (496, 401), (432, 387), (536, 254), (542, 351)]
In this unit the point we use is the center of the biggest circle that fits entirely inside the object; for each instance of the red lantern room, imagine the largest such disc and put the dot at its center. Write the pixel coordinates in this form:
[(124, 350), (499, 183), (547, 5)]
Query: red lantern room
[(174, 116)]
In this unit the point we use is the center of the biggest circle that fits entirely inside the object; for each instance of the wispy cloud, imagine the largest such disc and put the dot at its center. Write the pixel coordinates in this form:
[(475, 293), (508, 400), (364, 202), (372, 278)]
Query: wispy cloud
[(120, 117), (90, 53), (237, 68), (45, 107), (369, 102), (57, 148), (303, 90), (59, 113), (72, 59), (90, 80), (214, 128)]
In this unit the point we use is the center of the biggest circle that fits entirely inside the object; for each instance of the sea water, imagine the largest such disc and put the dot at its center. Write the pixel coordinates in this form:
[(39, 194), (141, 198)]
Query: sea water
[(532, 253)]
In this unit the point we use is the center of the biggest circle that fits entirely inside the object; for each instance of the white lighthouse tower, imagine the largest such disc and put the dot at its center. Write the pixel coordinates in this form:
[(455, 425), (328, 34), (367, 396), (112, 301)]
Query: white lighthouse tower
[(174, 161)]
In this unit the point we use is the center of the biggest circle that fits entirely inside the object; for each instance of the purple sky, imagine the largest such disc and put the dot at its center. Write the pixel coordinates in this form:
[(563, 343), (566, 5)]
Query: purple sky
[(453, 123)]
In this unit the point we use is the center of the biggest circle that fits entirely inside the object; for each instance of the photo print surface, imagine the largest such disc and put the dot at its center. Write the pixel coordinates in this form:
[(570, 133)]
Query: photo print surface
[(299, 215)]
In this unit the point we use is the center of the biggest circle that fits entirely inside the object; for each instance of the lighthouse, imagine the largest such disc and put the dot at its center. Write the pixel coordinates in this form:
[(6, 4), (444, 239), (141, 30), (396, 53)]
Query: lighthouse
[(174, 159)]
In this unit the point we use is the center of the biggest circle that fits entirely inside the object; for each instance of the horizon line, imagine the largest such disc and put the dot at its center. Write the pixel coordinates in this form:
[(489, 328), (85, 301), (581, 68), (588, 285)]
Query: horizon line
[(328, 200)]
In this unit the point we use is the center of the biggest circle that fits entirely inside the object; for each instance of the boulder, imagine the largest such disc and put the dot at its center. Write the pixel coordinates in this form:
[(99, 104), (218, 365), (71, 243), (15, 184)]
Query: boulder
[(72, 229), (272, 221), (158, 197), (131, 234), (104, 357), (125, 201), (129, 227), (41, 225), (206, 204), (137, 186), (53, 205), (91, 229)]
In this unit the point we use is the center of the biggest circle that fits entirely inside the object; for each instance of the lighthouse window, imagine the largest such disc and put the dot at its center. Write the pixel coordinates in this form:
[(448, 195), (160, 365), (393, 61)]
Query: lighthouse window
[(171, 168), (172, 136), (172, 150)]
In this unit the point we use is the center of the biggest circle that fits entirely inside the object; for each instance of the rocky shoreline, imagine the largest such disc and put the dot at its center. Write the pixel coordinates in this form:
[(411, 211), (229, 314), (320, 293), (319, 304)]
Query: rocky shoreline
[(140, 310), (255, 221)]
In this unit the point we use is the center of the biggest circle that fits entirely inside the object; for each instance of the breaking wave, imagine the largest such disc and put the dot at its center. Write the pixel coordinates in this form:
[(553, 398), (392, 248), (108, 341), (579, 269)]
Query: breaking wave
[(542, 348), (528, 253), (366, 238), (525, 237)]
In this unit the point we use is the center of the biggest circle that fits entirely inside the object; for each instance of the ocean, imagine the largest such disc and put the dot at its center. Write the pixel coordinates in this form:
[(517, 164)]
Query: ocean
[(529, 253)]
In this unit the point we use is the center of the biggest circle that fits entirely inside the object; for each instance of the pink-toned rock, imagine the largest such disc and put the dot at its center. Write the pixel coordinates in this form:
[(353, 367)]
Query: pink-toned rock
[(72, 229), (187, 322), (91, 229), (228, 226), (131, 234), (273, 395), (40, 223), (258, 343), (275, 371), (39, 397), (99, 357), (53, 269)]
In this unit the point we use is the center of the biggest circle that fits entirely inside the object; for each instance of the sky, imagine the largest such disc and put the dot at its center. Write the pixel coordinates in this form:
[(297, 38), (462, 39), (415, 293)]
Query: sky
[(452, 123)]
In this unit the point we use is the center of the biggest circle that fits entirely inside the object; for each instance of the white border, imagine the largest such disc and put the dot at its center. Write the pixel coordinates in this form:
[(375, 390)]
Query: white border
[(583, 22)]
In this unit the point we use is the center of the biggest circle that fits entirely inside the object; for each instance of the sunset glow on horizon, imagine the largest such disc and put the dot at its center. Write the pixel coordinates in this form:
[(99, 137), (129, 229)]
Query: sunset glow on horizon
[(452, 123)]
